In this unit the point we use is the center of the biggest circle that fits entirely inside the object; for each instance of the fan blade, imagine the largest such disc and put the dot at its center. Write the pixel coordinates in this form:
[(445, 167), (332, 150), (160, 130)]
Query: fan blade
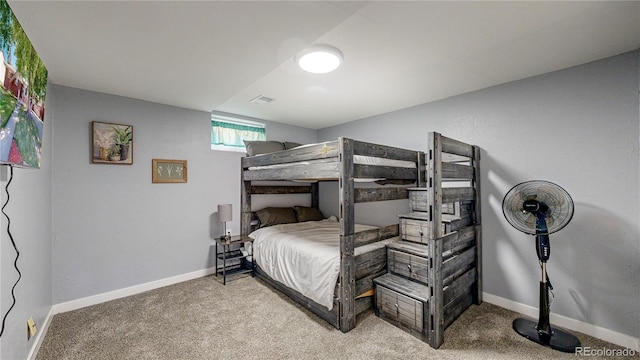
[(553, 201), (560, 198), (530, 221), (550, 221), (513, 205)]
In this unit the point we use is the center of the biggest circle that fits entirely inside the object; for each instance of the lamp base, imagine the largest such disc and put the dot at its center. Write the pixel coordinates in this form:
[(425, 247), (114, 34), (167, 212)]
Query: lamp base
[(559, 340)]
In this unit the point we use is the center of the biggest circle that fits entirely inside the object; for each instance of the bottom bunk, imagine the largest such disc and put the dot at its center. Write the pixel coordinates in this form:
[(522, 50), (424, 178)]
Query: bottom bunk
[(302, 260), (363, 303)]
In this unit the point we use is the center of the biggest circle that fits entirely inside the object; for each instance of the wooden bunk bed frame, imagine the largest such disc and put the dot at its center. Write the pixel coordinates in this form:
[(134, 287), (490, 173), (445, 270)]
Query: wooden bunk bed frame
[(334, 160), (450, 293)]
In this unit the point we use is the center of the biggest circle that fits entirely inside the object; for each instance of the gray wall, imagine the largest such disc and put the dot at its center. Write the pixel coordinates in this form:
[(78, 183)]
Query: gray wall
[(29, 209), (112, 227), (577, 127)]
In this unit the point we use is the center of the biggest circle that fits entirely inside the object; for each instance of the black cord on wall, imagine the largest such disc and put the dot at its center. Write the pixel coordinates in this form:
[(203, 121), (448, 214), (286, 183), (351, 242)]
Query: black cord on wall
[(15, 262)]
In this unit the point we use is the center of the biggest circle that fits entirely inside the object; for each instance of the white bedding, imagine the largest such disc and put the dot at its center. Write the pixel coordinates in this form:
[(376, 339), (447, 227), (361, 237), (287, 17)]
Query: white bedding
[(357, 159), (305, 256)]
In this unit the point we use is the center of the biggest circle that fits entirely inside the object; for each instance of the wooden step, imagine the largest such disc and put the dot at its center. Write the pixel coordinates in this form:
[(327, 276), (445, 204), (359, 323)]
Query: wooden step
[(404, 286)]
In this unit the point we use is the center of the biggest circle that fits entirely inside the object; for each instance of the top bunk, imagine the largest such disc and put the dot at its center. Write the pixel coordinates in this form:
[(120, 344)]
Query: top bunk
[(332, 160)]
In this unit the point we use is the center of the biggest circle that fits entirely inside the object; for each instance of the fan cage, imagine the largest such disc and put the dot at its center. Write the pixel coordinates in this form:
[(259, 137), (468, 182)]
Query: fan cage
[(558, 200)]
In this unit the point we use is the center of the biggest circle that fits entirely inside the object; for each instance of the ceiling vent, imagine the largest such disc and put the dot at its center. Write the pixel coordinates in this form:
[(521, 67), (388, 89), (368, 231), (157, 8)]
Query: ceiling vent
[(261, 100)]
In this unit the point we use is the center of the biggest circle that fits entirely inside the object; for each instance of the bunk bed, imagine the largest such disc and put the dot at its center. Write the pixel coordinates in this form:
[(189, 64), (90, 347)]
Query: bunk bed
[(344, 160), (443, 196)]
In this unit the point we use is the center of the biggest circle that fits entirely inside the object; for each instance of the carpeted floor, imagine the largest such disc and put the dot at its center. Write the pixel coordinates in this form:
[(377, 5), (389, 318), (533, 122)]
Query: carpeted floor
[(246, 319)]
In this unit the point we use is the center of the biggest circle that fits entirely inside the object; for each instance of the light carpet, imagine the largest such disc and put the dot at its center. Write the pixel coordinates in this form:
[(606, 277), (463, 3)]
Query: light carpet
[(246, 319)]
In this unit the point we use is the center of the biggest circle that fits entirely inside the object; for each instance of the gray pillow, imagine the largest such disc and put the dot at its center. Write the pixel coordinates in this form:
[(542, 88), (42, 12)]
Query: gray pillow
[(290, 145), (276, 215), (304, 213), (256, 147)]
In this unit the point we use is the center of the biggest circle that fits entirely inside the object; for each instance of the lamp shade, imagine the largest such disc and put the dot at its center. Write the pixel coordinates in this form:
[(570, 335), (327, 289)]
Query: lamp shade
[(225, 212)]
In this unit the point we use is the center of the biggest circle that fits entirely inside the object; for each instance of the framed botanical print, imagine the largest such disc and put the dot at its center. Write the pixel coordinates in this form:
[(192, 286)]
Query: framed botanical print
[(111, 143), (168, 171)]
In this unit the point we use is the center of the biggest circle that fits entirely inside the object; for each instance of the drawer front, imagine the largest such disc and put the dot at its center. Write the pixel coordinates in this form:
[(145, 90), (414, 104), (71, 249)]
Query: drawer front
[(386, 301), (408, 265), (395, 306), (419, 200), (450, 208), (414, 230)]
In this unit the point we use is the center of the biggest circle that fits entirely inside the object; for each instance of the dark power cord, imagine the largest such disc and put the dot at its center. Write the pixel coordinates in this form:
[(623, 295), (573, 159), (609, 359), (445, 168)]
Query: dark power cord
[(15, 262)]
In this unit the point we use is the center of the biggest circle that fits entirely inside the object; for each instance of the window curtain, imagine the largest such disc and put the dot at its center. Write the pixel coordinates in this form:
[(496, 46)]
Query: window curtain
[(229, 134)]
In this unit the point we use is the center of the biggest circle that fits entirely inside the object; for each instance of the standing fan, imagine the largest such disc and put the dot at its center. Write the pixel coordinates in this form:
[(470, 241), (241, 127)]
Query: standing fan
[(541, 208)]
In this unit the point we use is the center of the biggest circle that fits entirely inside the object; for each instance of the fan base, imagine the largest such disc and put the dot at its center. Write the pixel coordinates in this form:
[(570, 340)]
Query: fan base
[(559, 340)]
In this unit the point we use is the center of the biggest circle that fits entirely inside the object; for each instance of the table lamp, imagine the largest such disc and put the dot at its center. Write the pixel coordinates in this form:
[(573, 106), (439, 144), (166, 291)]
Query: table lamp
[(225, 213)]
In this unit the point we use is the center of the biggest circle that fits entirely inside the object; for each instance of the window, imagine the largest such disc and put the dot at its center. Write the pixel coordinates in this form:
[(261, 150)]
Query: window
[(227, 134)]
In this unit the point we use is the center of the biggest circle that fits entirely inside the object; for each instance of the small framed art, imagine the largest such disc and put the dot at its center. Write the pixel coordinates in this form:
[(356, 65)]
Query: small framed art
[(168, 171), (111, 143)]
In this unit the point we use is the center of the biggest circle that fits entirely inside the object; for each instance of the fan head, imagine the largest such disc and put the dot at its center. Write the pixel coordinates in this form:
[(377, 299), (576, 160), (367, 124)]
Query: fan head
[(537, 207)]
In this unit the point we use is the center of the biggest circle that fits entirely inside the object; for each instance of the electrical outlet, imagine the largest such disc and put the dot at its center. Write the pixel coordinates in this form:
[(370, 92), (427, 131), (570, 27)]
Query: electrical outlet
[(31, 328)]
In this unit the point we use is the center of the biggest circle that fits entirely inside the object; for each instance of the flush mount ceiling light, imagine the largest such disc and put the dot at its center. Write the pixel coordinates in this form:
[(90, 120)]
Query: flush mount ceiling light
[(319, 59)]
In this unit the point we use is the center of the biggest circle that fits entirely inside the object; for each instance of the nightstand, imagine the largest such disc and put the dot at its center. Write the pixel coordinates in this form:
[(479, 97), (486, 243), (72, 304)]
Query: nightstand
[(228, 255)]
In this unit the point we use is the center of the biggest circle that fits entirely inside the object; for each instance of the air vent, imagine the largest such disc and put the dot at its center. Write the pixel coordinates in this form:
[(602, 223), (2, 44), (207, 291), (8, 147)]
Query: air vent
[(261, 100)]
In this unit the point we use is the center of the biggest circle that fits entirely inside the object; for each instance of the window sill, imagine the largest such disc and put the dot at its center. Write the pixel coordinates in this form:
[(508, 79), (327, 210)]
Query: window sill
[(229, 148)]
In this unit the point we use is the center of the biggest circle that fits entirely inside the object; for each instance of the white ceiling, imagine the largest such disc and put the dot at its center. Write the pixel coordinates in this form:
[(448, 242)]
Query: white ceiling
[(217, 55)]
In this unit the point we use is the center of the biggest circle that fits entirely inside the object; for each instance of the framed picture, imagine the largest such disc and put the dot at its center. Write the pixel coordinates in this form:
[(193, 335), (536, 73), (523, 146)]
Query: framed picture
[(22, 101), (111, 143), (168, 171)]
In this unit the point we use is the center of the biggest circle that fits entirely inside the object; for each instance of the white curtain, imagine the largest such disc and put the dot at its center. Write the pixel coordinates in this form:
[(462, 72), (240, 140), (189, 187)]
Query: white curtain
[(230, 134)]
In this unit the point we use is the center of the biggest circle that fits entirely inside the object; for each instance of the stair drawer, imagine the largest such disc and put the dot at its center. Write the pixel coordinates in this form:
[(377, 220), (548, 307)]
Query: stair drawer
[(408, 265), (399, 308), (414, 230), (419, 199)]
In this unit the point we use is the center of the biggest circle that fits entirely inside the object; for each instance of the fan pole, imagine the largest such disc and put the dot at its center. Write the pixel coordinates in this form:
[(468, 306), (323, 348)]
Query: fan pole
[(544, 327), (542, 333)]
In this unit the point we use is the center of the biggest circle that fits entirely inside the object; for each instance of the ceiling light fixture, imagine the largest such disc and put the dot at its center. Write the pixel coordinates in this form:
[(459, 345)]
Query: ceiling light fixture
[(319, 59)]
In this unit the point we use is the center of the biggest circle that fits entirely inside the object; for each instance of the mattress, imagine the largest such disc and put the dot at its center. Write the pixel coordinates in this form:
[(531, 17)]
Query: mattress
[(357, 159), (305, 256)]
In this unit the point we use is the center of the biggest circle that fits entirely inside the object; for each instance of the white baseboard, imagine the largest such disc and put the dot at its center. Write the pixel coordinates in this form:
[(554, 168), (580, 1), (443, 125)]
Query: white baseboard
[(564, 322), (558, 320), (40, 336), (132, 290)]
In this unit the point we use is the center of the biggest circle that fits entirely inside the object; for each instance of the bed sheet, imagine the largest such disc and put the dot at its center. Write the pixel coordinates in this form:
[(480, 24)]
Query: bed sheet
[(357, 159), (305, 256)]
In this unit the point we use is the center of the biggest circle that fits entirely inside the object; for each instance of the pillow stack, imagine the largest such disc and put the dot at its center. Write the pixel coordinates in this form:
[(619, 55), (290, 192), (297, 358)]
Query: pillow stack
[(256, 147), (270, 216)]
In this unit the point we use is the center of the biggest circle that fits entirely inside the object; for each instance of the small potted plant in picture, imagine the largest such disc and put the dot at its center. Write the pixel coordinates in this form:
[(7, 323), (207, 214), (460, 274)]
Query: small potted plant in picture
[(114, 153), (104, 140), (123, 137)]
